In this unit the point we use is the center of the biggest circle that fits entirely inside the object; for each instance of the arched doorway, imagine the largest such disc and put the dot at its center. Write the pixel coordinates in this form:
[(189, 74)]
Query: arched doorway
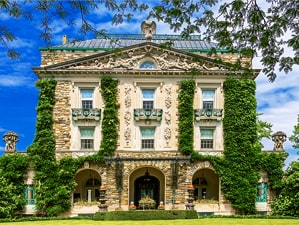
[(146, 182), (88, 183), (206, 185), (147, 186)]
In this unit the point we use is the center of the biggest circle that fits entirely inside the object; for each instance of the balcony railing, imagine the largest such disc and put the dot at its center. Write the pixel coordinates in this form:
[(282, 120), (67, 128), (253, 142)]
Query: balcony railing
[(148, 114), (86, 114), (208, 114)]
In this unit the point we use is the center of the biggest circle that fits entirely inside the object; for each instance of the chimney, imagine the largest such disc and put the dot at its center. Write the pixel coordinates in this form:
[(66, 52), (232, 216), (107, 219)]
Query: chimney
[(64, 39)]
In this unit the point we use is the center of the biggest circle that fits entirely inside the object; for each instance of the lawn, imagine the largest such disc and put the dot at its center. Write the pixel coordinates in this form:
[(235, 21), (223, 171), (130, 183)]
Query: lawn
[(204, 221)]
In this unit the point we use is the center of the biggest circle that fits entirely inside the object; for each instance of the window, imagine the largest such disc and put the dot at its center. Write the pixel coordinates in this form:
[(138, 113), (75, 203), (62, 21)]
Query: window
[(86, 138), (148, 99), (148, 65), (206, 138), (86, 98), (147, 138), (208, 99), (29, 195), (261, 195)]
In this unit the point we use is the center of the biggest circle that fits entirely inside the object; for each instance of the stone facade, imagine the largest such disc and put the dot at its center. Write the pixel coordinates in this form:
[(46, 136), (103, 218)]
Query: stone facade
[(146, 74)]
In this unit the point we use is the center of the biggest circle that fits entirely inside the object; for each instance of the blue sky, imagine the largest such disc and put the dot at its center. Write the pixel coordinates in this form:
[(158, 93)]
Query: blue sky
[(278, 101)]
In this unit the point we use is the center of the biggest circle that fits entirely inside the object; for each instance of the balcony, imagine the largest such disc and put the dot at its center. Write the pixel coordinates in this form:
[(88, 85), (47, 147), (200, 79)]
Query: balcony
[(208, 114), (86, 114), (148, 114)]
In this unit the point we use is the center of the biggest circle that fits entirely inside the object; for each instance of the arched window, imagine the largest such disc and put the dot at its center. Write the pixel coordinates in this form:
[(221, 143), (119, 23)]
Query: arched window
[(148, 65)]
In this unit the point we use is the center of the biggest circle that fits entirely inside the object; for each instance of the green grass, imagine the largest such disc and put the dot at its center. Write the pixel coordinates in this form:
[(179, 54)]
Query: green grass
[(204, 221)]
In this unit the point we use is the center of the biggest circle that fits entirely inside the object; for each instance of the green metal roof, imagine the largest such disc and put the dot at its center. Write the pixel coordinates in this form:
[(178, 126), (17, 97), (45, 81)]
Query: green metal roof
[(113, 41)]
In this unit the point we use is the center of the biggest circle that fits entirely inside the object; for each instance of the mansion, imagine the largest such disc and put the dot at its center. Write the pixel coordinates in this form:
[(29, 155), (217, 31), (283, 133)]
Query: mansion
[(147, 162)]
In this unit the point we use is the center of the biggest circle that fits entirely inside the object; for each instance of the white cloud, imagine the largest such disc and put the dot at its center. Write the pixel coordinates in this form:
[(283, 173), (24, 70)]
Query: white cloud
[(15, 81), (2, 129)]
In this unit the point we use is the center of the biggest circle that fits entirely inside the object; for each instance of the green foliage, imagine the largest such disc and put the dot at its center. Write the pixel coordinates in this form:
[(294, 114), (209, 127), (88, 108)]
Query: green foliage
[(110, 116), (12, 172), (295, 136), (287, 203), (146, 215), (273, 163), (51, 195), (264, 130), (185, 108), (237, 25), (239, 170)]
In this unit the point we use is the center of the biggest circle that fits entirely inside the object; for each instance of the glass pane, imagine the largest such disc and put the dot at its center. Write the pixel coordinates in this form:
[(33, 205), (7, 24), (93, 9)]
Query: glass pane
[(86, 94), (147, 143), (148, 65), (86, 133), (87, 143), (208, 95), (207, 104), (147, 133), (206, 133), (87, 104), (148, 105), (148, 94)]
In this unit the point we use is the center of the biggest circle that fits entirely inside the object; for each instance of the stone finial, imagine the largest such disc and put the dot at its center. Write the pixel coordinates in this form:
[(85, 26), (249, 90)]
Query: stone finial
[(148, 28), (279, 138), (11, 138)]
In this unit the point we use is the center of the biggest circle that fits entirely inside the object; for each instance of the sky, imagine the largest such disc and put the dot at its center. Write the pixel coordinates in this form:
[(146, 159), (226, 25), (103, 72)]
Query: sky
[(278, 101)]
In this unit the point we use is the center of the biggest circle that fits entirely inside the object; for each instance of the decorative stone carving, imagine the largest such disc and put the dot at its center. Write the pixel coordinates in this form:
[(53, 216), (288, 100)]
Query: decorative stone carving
[(11, 138), (168, 104), (279, 138), (132, 59), (148, 28), (127, 114)]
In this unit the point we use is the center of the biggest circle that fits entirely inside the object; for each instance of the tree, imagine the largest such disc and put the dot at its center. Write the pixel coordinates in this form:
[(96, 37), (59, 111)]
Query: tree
[(250, 26), (295, 136), (10, 202), (287, 202), (264, 130)]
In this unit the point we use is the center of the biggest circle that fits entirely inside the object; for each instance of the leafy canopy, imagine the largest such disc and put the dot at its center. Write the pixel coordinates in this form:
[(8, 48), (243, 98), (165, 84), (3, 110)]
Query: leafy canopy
[(295, 136), (253, 27)]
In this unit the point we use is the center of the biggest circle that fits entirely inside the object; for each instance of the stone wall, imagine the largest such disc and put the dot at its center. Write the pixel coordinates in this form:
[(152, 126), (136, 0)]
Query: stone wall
[(61, 115)]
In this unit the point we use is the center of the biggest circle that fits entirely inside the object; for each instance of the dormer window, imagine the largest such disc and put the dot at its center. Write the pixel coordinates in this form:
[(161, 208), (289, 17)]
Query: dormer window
[(148, 65)]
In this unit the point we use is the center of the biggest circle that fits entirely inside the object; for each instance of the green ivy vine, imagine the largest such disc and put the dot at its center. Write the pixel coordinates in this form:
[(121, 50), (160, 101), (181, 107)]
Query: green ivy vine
[(240, 170), (185, 108), (110, 116), (54, 181)]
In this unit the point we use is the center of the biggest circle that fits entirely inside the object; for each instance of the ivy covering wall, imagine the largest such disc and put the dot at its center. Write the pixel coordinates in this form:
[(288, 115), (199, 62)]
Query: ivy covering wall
[(240, 170), (53, 189), (110, 116), (185, 109)]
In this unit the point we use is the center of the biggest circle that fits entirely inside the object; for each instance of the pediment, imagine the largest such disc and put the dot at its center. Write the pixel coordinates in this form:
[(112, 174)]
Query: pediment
[(131, 58)]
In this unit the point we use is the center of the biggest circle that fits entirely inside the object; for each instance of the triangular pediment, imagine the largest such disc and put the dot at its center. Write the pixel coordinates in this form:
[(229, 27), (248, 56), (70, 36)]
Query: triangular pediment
[(131, 58)]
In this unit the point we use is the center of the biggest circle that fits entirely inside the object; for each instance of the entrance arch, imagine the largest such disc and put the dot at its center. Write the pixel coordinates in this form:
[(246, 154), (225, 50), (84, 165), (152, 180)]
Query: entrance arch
[(206, 185), (147, 182), (88, 183)]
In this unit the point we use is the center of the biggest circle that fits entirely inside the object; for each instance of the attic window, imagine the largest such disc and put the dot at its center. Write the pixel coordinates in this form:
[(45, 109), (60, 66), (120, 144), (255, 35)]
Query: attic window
[(148, 65)]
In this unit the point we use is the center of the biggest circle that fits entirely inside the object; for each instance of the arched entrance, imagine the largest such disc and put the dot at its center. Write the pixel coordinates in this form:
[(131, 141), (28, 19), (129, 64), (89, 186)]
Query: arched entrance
[(88, 183), (206, 185), (147, 186), (147, 182)]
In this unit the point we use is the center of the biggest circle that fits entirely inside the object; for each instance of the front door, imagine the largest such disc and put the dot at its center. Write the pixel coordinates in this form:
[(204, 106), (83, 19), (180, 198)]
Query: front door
[(147, 186)]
